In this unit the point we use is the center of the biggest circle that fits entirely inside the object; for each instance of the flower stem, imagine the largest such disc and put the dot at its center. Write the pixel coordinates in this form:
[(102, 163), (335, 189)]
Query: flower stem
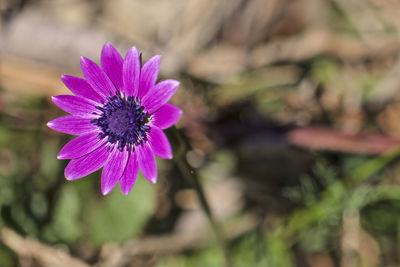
[(191, 176)]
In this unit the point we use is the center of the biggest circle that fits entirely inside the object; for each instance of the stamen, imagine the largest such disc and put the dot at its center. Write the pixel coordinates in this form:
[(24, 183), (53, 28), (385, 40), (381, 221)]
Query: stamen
[(123, 121)]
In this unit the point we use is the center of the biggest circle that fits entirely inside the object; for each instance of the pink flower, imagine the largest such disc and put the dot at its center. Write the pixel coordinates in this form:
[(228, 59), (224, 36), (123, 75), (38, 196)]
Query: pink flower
[(118, 112)]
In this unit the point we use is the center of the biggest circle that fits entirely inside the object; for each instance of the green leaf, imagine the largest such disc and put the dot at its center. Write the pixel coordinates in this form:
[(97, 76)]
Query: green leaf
[(66, 223), (119, 217)]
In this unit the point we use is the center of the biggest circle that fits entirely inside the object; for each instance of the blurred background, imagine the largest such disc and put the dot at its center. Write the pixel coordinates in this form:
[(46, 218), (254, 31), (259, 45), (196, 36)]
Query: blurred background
[(291, 122)]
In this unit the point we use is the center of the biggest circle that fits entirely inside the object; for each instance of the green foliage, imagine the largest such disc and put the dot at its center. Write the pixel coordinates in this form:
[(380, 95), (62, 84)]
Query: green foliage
[(118, 217), (251, 250), (324, 70), (382, 218), (66, 224), (7, 257), (316, 226), (113, 218)]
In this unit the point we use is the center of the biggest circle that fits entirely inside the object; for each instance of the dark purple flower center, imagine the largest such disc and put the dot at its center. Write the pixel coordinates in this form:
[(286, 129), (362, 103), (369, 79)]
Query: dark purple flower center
[(123, 121)]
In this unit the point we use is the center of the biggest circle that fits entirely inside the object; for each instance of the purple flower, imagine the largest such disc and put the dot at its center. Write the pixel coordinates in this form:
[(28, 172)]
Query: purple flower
[(119, 112)]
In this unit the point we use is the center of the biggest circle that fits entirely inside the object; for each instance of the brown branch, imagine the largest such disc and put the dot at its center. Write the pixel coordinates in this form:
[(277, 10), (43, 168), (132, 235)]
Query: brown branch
[(324, 138), (31, 249)]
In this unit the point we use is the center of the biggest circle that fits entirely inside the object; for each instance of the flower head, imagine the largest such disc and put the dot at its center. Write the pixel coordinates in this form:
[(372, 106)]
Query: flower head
[(118, 112)]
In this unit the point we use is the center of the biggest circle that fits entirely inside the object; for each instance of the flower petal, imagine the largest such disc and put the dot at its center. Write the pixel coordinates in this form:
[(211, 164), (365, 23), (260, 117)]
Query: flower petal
[(80, 167), (131, 72), (111, 62), (148, 75), (80, 87), (128, 179), (76, 105), (72, 125), (97, 78), (159, 143), (166, 116), (159, 95), (81, 146), (147, 163), (113, 169)]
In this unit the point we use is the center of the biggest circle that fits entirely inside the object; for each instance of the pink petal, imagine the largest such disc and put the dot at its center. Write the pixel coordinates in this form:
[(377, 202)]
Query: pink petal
[(81, 146), (147, 163), (113, 169), (80, 167), (159, 143), (131, 72), (72, 125), (128, 179), (166, 116), (80, 87), (97, 78), (76, 105), (111, 62), (148, 75), (159, 95)]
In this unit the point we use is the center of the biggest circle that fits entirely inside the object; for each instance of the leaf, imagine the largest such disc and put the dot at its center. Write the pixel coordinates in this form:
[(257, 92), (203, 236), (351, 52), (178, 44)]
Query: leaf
[(119, 217), (66, 223)]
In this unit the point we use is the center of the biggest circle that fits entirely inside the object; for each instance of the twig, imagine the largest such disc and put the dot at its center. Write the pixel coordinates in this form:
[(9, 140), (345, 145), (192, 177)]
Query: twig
[(27, 248), (190, 175)]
